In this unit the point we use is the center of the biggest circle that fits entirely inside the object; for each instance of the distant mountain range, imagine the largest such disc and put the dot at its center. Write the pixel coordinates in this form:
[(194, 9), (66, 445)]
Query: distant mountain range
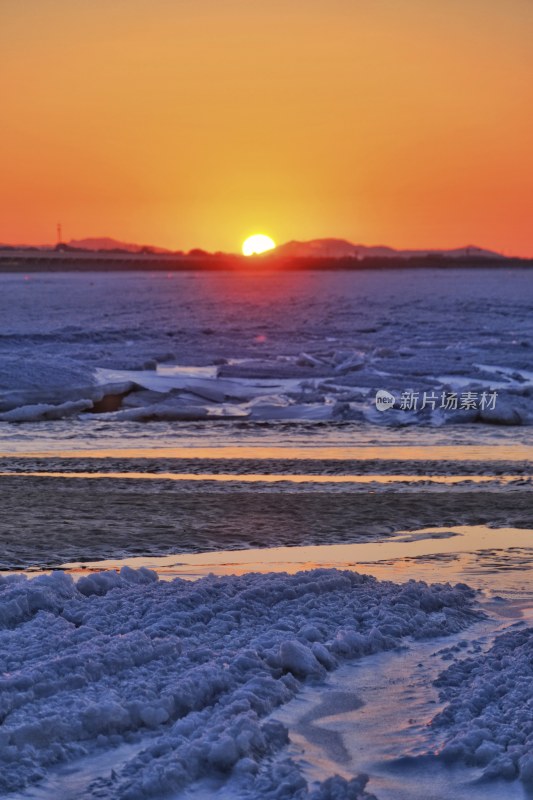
[(106, 243), (94, 244), (316, 248), (319, 248), (340, 248)]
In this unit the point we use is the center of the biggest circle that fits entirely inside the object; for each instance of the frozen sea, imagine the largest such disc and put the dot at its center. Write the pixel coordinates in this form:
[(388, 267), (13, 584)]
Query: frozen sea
[(247, 351), (226, 573)]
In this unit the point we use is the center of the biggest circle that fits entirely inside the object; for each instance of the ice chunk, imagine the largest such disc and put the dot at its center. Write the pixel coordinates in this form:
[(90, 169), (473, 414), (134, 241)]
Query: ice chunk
[(43, 411), (299, 659)]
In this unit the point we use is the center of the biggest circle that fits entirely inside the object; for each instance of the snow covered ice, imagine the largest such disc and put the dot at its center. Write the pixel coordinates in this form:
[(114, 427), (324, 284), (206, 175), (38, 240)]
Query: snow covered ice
[(121, 686), (488, 720), (188, 672)]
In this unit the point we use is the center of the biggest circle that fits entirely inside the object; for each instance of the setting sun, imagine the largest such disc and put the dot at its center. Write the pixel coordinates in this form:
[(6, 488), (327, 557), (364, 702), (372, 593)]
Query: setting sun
[(258, 243)]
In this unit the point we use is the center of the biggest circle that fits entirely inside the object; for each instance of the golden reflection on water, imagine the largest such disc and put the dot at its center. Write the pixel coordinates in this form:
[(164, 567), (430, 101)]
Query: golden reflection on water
[(269, 477), (504, 452), (497, 560)]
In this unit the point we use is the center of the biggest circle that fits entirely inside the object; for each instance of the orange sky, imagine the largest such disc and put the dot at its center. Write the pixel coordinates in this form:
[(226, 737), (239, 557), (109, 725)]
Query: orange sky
[(190, 123)]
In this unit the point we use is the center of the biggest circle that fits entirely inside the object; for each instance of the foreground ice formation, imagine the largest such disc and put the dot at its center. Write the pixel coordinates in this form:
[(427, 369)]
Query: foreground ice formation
[(186, 673), (489, 717)]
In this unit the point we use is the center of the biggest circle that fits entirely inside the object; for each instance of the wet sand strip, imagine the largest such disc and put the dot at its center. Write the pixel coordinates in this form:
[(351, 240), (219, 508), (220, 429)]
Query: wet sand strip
[(50, 521)]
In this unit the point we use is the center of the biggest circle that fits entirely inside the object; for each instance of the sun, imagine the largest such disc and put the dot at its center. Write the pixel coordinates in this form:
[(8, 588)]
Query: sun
[(258, 243)]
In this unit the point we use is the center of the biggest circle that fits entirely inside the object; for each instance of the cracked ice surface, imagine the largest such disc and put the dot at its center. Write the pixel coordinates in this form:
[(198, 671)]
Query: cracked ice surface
[(269, 348), (187, 672)]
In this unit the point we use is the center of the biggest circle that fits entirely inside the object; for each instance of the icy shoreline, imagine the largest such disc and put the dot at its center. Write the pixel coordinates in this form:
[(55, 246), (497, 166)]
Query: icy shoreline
[(191, 668), (326, 387)]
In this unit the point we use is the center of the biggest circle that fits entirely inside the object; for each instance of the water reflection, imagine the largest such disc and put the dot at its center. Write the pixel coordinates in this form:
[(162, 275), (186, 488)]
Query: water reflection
[(496, 451), (225, 477), (499, 561)]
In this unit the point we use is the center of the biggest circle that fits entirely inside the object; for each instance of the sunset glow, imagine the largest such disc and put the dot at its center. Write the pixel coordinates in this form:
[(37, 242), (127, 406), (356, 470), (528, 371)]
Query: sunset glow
[(181, 124)]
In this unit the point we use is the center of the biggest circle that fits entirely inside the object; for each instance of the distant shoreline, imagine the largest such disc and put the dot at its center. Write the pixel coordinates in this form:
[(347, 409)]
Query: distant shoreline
[(16, 261)]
